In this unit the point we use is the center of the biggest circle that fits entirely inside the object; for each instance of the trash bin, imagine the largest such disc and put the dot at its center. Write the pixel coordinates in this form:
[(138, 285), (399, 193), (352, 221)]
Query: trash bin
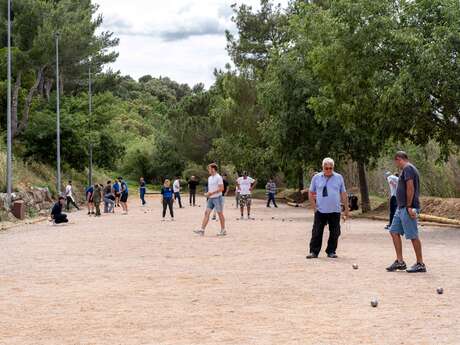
[(19, 209)]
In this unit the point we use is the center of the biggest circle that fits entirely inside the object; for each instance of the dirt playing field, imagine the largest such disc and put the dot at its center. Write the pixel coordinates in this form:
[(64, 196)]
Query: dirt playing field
[(135, 280)]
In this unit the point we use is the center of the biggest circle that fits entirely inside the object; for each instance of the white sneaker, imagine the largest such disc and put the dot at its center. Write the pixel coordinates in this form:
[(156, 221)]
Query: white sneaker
[(199, 232), (222, 233)]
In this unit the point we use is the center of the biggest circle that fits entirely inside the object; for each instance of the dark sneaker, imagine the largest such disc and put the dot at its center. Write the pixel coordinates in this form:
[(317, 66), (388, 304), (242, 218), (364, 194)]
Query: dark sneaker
[(332, 256), (387, 227), (417, 268), (397, 266), (312, 256)]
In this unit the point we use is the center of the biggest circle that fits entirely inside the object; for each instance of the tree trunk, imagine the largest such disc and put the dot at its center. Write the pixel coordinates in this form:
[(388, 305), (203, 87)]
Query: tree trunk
[(14, 105), (48, 86), (364, 188), (300, 177), (25, 113)]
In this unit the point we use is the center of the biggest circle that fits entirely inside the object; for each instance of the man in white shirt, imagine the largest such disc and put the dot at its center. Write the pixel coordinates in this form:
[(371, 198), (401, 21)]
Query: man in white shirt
[(246, 184), (392, 180), (69, 197), (215, 200), (176, 189)]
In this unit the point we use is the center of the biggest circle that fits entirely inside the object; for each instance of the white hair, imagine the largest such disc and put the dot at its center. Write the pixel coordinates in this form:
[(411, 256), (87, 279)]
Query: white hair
[(328, 161)]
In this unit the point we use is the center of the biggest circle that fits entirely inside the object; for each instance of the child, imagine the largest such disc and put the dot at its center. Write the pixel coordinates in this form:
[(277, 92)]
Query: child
[(167, 200), (97, 198)]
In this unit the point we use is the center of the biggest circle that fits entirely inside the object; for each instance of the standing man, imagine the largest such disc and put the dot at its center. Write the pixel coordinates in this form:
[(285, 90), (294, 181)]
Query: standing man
[(97, 198), (89, 199), (69, 196), (192, 184), (224, 194), (405, 218), (116, 192), (271, 192), (123, 195), (246, 185), (392, 180), (142, 190), (215, 200), (327, 191), (237, 193), (176, 188)]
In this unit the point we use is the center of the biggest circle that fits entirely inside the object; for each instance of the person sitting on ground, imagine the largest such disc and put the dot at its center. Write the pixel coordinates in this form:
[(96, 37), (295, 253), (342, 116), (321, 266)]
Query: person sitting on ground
[(109, 198), (56, 213)]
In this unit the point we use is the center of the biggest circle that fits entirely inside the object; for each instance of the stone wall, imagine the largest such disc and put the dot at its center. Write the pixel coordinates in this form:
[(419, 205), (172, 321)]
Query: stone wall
[(38, 201)]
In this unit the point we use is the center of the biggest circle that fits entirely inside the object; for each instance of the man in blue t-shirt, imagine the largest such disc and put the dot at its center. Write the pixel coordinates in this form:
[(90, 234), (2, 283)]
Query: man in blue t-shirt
[(327, 193), (116, 191), (405, 218), (123, 195)]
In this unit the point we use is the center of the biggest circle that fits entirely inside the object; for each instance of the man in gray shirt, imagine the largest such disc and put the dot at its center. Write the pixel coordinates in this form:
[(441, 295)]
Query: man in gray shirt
[(405, 218)]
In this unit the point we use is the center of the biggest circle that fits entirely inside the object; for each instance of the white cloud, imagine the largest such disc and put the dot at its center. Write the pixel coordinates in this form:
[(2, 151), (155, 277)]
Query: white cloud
[(181, 39)]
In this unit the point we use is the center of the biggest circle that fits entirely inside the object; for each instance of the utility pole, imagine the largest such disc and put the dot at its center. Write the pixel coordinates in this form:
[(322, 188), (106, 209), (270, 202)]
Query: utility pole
[(58, 119), (9, 159), (90, 112)]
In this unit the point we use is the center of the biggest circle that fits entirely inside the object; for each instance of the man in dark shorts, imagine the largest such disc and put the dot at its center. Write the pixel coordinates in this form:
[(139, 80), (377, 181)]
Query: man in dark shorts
[(405, 218), (116, 192), (192, 184), (89, 199), (124, 195), (56, 213)]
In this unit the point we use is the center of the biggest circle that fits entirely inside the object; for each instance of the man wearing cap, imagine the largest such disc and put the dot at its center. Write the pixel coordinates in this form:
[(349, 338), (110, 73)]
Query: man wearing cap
[(327, 193)]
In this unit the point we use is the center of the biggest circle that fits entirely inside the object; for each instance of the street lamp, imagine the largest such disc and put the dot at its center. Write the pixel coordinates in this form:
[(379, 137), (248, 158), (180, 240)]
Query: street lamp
[(90, 113), (58, 118), (9, 160)]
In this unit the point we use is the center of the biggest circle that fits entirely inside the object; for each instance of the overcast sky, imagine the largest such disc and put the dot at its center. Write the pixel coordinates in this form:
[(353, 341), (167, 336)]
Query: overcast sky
[(181, 39)]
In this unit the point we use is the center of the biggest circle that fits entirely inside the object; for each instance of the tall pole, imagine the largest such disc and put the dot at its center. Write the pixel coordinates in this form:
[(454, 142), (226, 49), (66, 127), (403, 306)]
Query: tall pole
[(90, 112), (58, 119), (9, 159)]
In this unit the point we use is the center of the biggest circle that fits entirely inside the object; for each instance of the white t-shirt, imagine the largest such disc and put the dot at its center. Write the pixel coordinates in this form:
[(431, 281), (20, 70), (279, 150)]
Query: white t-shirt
[(245, 185), (213, 185), (176, 186), (68, 190), (393, 182)]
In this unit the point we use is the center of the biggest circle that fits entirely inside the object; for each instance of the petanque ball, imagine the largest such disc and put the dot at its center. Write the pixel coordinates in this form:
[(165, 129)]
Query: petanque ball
[(355, 266), (374, 303), (440, 290)]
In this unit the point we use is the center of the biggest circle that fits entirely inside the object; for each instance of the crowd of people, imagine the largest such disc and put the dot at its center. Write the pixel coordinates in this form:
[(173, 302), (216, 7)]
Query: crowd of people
[(327, 195)]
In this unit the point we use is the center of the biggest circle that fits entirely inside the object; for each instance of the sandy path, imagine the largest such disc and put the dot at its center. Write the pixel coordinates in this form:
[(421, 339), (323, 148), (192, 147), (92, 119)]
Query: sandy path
[(134, 280)]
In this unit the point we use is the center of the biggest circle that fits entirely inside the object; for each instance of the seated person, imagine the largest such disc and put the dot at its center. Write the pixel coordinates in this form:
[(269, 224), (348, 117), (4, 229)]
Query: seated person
[(56, 213)]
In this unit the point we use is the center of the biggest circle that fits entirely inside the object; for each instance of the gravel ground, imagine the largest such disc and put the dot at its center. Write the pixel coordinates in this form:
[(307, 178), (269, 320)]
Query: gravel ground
[(136, 280)]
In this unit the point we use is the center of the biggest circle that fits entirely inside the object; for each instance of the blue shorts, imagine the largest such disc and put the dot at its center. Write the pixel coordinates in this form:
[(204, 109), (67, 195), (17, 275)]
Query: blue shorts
[(403, 224), (216, 203)]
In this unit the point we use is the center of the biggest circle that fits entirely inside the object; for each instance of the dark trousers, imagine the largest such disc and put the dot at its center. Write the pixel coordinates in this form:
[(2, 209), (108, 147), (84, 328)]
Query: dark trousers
[(177, 197), (97, 205), (321, 219), (271, 198), (192, 197), (60, 218), (142, 194), (70, 201), (393, 207), (168, 202)]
